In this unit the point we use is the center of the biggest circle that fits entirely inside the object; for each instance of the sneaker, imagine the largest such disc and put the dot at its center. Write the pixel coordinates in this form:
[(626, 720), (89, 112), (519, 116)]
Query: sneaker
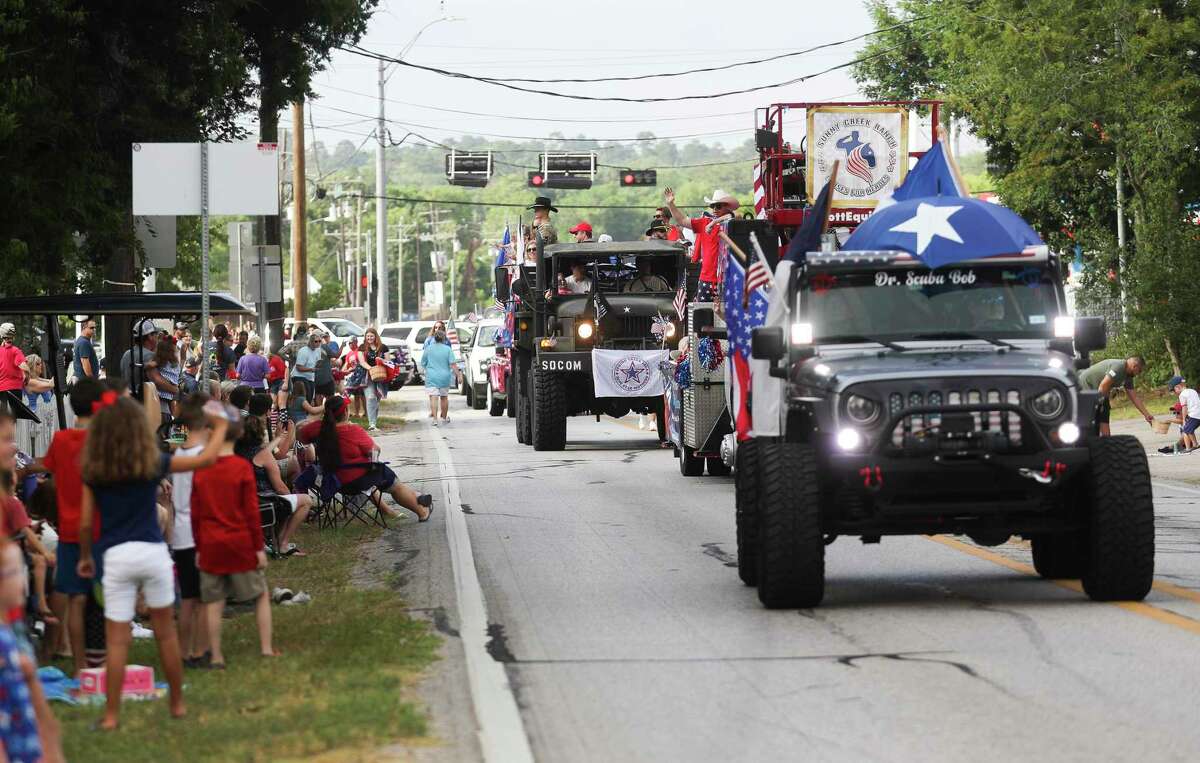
[(141, 632), (425, 500), (1167, 450), (372, 428), (445, 419)]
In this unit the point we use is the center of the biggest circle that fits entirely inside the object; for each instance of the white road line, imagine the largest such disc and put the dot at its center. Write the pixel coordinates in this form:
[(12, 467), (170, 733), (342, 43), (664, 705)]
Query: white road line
[(501, 730), (1176, 487)]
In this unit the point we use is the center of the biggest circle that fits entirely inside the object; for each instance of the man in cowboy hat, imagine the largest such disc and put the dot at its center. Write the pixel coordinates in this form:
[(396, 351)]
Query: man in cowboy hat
[(657, 230), (542, 207), (707, 237), (582, 232)]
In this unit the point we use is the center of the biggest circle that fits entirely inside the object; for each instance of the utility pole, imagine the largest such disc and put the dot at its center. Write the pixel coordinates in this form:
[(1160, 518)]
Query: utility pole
[(381, 291), (299, 217), (401, 236), (359, 291)]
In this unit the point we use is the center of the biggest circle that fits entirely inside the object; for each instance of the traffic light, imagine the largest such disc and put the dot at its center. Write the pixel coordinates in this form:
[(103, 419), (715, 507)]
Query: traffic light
[(630, 178), (469, 169), (564, 170), (362, 282)]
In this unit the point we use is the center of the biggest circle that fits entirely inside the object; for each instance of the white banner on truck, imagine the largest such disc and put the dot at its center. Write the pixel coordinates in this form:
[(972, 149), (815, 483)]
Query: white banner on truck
[(871, 143), (628, 373)]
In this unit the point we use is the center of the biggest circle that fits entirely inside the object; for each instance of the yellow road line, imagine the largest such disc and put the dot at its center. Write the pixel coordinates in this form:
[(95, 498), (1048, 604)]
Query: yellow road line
[(1138, 608), (1158, 585)]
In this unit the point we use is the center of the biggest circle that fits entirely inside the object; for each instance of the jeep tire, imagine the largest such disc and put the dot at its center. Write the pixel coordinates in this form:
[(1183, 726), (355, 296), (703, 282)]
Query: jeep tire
[(1060, 556), (791, 549), (495, 404), (689, 464), (549, 406), (746, 510), (1120, 526)]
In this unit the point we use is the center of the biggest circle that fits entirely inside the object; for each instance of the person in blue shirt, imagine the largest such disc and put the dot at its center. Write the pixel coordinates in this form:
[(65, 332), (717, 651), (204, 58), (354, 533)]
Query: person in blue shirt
[(84, 360), (438, 361)]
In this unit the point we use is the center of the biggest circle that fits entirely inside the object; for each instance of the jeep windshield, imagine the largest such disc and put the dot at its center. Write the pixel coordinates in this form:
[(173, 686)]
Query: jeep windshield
[(988, 302)]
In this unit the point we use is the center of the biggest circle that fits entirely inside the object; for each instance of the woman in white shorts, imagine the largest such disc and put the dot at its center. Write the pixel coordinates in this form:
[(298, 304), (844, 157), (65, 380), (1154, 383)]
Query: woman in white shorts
[(254, 448), (122, 468), (438, 361)]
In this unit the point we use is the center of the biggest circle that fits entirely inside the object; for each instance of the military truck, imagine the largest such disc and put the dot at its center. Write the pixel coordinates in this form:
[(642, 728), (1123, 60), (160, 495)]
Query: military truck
[(556, 331), (916, 402)]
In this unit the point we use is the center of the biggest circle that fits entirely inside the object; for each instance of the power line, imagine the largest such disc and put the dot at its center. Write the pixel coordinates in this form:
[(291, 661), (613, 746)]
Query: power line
[(707, 96), (709, 69), (408, 200), (409, 125), (576, 120)]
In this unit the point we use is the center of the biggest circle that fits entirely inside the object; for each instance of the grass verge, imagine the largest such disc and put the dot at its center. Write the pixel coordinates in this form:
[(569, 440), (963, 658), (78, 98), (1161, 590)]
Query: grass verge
[(1157, 401), (338, 690)]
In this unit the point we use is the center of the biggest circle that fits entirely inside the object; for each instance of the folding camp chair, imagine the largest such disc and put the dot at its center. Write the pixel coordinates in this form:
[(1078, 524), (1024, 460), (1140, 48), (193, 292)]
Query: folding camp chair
[(357, 497), (267, 517)]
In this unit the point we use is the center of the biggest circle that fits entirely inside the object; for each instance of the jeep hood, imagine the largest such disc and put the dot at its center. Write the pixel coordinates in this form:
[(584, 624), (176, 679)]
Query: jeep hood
[(841, 369)]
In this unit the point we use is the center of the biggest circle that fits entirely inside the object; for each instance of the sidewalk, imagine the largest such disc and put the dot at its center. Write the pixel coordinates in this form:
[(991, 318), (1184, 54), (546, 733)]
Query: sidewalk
[(1183, 468)]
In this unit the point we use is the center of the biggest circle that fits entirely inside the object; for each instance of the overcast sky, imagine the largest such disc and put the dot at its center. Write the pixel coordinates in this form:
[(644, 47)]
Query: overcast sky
[(521, 38)]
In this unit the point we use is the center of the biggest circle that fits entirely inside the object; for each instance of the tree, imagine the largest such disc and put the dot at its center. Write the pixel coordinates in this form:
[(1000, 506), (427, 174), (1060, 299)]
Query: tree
[(1066, 96)]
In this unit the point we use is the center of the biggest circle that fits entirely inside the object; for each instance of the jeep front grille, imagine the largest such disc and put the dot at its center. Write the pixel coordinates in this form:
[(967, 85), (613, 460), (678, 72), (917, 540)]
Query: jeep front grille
[(919, 425)]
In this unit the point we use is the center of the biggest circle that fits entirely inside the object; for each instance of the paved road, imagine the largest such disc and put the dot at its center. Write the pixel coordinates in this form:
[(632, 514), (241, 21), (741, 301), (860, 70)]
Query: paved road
[(623, 627)]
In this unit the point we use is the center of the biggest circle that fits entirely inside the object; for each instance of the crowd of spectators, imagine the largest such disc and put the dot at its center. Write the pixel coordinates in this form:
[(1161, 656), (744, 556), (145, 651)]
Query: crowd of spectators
[(154, 511)]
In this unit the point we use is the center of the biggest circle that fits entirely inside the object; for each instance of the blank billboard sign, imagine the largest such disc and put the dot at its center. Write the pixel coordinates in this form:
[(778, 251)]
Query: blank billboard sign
[(243, 179)]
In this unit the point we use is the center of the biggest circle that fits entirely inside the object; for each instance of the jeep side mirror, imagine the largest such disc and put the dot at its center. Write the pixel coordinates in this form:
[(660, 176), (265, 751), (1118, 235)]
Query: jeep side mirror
[(1090, 335), (502, 294), (766, 343)]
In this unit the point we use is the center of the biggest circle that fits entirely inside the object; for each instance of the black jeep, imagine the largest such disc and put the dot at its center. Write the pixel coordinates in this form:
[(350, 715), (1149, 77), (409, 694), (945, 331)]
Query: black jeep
[(580, 298), (917, 402)]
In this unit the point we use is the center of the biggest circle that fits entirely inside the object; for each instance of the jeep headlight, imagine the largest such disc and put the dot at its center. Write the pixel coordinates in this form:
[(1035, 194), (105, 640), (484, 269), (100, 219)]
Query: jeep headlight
[(584, 330), (861, 410), (1048, 405)]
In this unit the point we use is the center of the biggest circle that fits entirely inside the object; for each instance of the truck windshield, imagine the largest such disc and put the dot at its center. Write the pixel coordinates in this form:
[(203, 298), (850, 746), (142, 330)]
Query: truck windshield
[(898, 303), (487, 336), (342, 327)]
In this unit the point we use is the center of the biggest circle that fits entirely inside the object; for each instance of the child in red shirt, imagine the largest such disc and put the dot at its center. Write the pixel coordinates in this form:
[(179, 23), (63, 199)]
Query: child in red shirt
[(229, 543)]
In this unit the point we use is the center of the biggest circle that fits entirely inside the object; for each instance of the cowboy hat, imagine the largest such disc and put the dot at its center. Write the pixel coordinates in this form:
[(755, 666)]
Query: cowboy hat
[(720, 197), (543, 202)]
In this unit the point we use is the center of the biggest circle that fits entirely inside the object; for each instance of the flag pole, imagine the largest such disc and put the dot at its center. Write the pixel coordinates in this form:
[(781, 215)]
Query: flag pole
[(833, 173), (734, 247), (952, 161)]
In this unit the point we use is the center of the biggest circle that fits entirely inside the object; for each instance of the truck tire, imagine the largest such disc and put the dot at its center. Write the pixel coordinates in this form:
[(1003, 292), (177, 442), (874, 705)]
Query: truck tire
[(549, 403), (469, 393), (517, 392), (479, 401), (495, 404), (1059, 557), (510, 398), (1120, 533), (689, 465), (746, 511), (525, 412), (791, 550), (717, 467)]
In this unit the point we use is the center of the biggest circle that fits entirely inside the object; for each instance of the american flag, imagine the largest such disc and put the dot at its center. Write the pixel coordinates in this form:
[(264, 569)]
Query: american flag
[(681, 294), (601, 305), (502, 257), (857, 164), (758, 277), (740, 320)]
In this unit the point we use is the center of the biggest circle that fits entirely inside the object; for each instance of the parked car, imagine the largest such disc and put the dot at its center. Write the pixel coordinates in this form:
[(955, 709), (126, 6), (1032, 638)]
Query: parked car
[(479, 354)]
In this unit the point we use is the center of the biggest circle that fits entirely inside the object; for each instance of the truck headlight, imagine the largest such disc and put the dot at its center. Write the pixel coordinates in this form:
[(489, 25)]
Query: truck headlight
[(861, 410), (670, 330), (584, 330), (1049, 404)]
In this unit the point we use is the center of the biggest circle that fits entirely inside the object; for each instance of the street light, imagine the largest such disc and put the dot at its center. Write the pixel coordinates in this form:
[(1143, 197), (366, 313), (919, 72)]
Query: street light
[(381, 292)]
